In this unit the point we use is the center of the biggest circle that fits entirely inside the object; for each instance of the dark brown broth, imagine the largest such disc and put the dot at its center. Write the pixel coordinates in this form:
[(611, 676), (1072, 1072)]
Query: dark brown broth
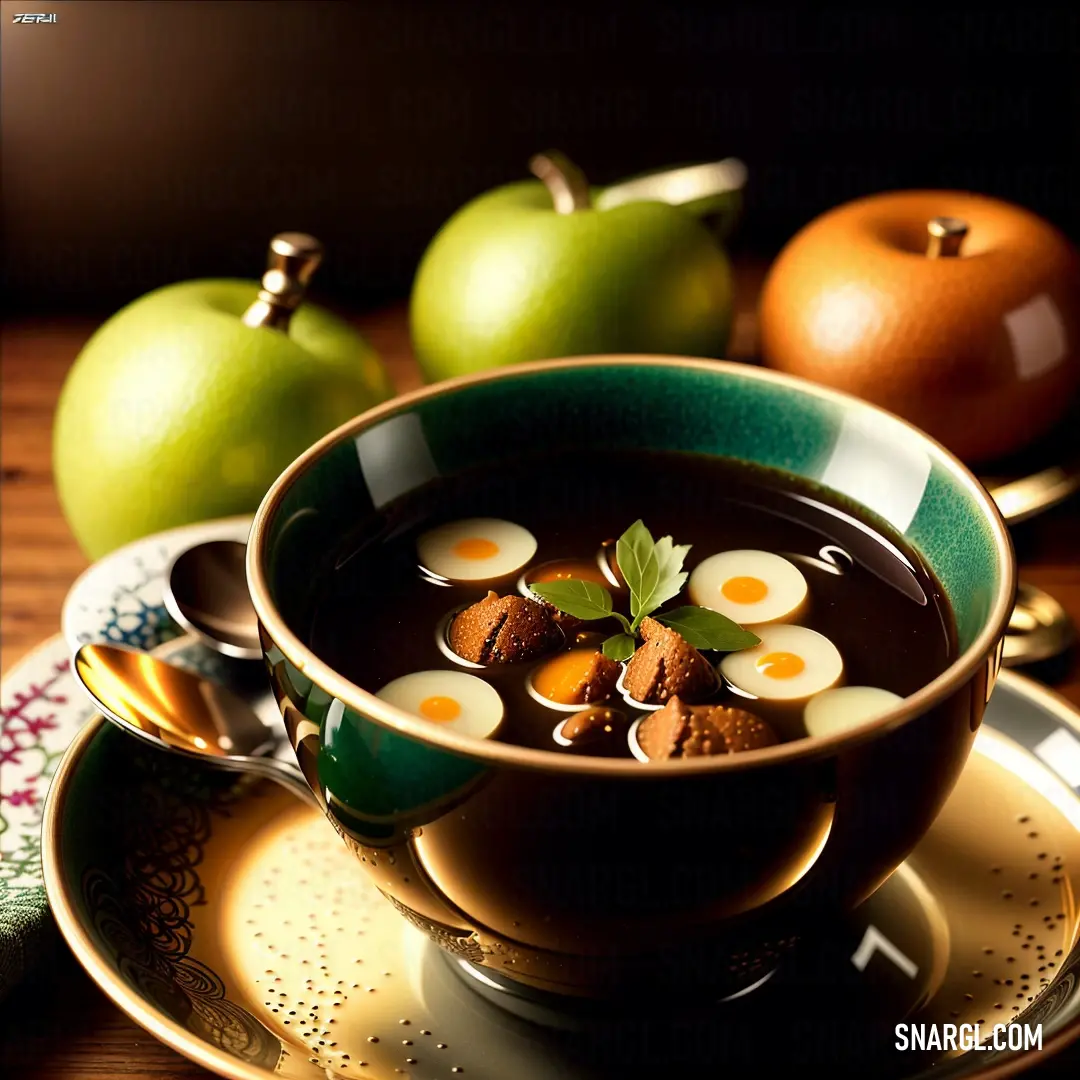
[(376, 614)]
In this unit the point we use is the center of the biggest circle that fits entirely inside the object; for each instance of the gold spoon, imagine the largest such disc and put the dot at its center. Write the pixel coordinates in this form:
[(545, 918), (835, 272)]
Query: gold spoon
[(174, 710)]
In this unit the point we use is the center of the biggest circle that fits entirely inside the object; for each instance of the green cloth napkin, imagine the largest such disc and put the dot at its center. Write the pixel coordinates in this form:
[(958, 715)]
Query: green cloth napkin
[(42, 707), (26, 933)]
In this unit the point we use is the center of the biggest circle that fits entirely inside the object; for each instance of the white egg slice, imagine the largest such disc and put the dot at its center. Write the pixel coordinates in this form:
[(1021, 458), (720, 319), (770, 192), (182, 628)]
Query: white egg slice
[(451, 699), (791, 663), (748, 586), (846, 707), (477, 549)]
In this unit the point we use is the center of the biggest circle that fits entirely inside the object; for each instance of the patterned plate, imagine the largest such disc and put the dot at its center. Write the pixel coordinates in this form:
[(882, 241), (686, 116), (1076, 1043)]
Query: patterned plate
[(228, 920), (118, 600)]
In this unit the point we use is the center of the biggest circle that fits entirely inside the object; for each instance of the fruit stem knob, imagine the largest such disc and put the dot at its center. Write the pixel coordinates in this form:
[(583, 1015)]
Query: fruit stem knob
[(292, 260), (566, 182), (946, 234)]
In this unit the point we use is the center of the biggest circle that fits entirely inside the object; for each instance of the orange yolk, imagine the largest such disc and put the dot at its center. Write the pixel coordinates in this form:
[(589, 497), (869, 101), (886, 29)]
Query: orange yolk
[(562, 679), (564, 571), (744, 590), (440, 709), (781, 665), (476, 547)]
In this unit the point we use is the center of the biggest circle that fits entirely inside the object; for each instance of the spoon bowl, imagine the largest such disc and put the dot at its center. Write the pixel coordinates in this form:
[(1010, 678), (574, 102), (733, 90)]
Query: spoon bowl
[(206, 593), (175, 710)]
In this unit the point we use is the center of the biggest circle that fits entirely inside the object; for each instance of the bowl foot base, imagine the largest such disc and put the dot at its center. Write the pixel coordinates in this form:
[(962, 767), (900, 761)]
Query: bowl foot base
[(569, 1012)]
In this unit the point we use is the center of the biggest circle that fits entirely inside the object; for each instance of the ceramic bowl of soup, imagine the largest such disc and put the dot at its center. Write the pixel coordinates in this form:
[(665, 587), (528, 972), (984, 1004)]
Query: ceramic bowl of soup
[(622, 675)]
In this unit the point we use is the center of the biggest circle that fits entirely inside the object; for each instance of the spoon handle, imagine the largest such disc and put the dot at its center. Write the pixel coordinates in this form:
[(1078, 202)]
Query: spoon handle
[(1040, 628), (713, 190), (285, 773), (1021, 499)]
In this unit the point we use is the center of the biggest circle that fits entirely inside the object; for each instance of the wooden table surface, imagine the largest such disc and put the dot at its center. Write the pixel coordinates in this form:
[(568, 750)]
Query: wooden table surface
[(59, 1024)]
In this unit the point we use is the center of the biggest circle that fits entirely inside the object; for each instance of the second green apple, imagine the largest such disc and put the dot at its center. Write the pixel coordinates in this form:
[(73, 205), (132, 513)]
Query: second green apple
[(552, 268)]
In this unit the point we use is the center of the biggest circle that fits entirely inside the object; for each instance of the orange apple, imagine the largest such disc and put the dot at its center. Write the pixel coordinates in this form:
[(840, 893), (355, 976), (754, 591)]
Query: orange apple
[(958, 312)]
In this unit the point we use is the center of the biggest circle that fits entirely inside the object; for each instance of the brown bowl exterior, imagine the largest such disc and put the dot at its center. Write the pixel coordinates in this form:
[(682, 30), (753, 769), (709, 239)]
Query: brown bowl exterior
[(603, 878), (600, 886)]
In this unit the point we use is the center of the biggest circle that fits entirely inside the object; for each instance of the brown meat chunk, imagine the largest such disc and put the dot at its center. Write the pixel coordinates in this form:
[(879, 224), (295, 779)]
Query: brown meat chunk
[(661, 733), (666, 665), (679, 730), (742, 730), (598, 683), (567, 623), (578, 677), (703, 737), (503, 630), (591, 722)]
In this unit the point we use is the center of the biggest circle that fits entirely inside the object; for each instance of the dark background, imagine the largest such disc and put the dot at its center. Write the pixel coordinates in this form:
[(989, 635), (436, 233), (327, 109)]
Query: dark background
[(146, 142)]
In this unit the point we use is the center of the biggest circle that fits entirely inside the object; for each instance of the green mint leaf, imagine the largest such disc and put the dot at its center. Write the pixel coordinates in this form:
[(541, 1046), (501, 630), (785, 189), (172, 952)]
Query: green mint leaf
[(619, 647), (581, 599), (671, 579), (706, 629), (624, 622), (636, 555), (652, 569)]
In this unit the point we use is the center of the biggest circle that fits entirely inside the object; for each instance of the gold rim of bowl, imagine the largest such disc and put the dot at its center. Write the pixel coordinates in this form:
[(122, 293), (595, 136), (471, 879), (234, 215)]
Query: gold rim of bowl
[(495, 753)]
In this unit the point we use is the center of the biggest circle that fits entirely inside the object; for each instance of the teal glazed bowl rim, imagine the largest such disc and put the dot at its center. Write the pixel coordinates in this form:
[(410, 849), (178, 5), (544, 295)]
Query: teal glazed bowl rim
[(985, 644)]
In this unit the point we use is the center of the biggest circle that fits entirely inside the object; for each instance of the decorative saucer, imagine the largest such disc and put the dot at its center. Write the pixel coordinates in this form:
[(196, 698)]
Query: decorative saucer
[(228, 920), (118, 601)]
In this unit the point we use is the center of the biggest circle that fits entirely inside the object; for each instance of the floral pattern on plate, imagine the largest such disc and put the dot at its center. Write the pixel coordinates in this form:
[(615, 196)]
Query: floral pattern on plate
[(41, 708), (118, 601)]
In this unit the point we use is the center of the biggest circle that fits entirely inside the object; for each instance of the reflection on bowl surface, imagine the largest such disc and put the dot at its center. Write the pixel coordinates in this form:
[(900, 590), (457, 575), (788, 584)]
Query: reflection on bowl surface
[(525, 854)]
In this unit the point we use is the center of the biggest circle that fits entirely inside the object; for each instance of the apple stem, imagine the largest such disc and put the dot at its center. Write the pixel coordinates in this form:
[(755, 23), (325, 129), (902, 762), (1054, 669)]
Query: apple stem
[(566, 182), (946, 234), (292, 260)]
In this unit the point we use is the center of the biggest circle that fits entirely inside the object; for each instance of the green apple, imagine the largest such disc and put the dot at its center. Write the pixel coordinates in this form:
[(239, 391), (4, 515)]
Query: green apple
[(551, 267), (176, 410)]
